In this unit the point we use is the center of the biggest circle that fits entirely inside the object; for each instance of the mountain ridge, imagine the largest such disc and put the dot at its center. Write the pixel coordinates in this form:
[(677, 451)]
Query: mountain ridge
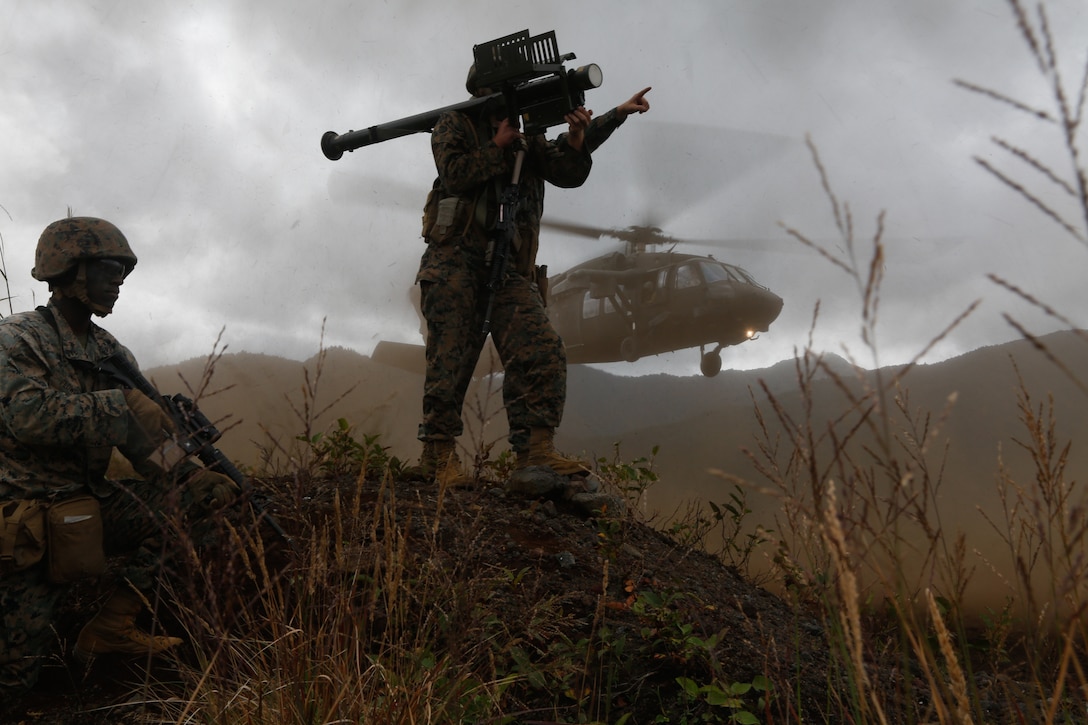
[(693, 430), (263, 403)]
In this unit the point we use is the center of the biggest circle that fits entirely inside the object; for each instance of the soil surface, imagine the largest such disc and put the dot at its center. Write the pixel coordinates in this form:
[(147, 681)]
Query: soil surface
[(597, 566)]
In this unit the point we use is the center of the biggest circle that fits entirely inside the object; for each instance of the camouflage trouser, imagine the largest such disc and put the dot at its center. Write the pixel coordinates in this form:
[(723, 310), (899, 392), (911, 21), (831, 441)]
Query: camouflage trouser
[(534, 384), (140, 521)]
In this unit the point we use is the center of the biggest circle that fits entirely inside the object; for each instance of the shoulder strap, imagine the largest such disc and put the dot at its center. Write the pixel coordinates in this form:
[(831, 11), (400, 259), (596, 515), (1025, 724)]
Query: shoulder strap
[(470, 217), (48, 315)]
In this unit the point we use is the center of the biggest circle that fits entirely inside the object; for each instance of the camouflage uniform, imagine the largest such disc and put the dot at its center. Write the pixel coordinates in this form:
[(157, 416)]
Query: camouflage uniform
[(454, 275), (60, 424)]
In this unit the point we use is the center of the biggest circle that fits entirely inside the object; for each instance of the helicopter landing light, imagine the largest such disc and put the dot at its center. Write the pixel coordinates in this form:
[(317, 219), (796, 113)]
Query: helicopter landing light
[(750, 334)]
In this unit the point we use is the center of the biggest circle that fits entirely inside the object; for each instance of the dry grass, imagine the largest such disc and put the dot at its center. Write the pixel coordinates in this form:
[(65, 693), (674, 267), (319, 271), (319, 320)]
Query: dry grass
[(862, 532), (364, 627)]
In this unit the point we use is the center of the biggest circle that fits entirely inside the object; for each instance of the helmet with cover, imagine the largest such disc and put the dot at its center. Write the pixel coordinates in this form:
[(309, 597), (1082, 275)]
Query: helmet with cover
[(472, 84), (66, 242), (68, 247)]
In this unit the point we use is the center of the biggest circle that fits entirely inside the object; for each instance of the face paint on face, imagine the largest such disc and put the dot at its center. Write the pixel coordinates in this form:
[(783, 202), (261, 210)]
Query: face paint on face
[(104, 280)]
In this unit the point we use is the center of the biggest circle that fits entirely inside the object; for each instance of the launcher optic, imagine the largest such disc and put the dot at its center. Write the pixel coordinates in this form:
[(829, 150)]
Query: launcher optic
[(529, 82)]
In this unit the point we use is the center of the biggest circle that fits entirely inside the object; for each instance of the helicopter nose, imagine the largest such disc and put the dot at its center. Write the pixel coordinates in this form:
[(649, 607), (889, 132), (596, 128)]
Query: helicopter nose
[(763, 306), (773, 303)]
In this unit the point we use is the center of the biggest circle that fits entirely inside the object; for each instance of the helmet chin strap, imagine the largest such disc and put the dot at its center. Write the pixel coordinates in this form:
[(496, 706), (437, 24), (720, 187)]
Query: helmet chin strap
[(77, 289)]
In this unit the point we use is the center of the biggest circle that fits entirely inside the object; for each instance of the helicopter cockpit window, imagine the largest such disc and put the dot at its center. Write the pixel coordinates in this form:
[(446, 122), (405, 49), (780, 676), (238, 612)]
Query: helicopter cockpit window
[(687, 276), (741, 274), (648, 291), (607, 308), (591, 307), (716, 272)]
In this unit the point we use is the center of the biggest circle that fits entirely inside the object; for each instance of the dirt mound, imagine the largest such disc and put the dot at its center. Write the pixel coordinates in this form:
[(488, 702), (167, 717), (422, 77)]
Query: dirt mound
[(661, 610)]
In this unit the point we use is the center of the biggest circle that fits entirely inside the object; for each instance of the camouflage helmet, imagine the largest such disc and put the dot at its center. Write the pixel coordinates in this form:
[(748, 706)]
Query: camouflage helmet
[(472, 84), (65, 242)]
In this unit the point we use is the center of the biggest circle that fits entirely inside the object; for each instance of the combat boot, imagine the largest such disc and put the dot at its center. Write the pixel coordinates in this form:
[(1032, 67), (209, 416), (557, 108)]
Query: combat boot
[(448, 471), (428, 462), (113, 631), (542, 453)]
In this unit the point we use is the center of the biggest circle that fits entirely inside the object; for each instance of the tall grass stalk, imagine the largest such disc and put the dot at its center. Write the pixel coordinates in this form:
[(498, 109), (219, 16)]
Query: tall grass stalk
[(873, 549), (297, 455)]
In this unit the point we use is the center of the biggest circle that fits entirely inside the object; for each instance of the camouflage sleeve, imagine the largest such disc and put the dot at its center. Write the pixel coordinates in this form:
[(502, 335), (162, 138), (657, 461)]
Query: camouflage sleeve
[(463, 162), (40, 405), (600, 128), (560, 164)]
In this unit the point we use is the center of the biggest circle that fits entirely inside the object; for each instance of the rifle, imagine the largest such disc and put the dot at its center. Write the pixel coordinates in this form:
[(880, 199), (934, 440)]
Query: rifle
[(196, 434), (502, 238)]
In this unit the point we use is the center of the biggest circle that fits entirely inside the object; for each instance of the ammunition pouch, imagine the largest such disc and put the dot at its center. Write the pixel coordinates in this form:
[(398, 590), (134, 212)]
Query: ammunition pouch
[(22, 535), (74, 528), (69, 532), (445, 218)]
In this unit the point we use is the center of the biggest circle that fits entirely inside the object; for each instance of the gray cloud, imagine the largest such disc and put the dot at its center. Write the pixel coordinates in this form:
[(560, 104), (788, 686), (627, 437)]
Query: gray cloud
[(195, 127)]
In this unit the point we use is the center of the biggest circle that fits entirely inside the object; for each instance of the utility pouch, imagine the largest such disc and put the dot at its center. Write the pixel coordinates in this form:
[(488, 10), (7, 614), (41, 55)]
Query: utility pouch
[(449, 218), (74, 527), (22, 535)]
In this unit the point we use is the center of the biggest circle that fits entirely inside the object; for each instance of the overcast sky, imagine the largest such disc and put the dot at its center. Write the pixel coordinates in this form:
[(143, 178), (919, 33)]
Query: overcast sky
[(195, 127)]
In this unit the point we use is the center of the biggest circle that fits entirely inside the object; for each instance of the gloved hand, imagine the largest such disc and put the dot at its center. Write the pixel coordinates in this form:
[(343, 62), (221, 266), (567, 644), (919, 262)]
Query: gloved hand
[(211, 489), (148, 426)]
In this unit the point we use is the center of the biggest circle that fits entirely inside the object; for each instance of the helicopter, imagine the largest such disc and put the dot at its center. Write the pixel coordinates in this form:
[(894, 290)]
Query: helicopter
[(623, 306), (627, 305)]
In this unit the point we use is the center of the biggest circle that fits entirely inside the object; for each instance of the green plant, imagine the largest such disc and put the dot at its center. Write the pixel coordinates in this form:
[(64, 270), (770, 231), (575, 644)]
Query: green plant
[(498, 468), (339, 453), (728, 703), (691, 527), (631, 478), (670, 633), (737, 543)]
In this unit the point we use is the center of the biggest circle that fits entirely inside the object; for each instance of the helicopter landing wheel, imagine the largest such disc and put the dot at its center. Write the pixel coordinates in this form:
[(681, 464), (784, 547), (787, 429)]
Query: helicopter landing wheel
[(711, 364), (629, 349)]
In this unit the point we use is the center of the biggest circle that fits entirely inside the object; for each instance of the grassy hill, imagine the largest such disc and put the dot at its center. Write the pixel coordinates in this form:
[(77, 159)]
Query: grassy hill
[(697, 424), (398, 601)]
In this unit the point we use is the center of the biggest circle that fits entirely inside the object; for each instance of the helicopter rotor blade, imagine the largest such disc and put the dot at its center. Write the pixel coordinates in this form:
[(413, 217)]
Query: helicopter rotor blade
[(745, 244), (575, 228), (652, 235)]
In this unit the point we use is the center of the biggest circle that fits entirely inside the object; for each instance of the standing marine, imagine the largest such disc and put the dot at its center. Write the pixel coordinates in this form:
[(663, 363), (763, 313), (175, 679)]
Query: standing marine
[(475, 155)]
